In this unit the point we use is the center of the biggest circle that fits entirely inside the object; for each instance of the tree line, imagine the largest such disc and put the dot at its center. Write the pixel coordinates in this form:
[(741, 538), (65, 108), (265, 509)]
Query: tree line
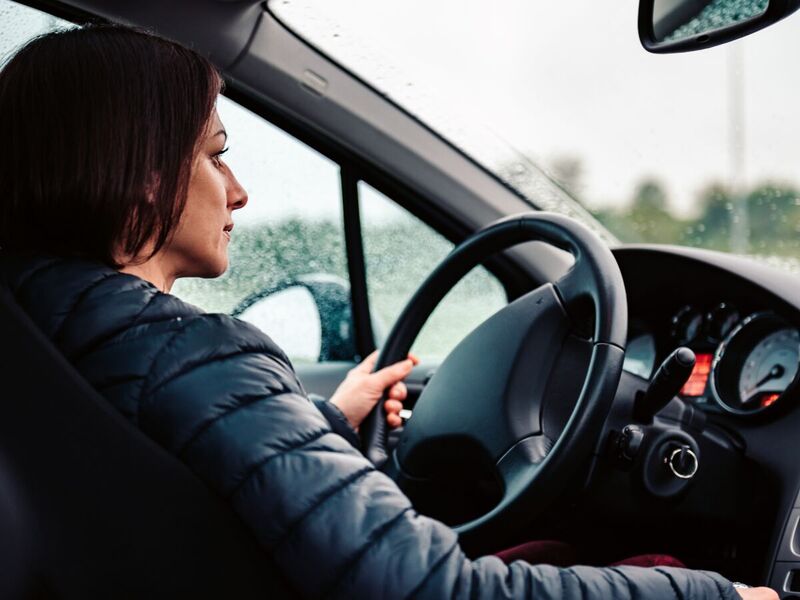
[(772, 219)]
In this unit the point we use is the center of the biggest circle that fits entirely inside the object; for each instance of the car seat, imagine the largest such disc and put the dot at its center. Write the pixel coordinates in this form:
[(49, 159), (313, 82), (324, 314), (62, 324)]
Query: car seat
[(109, 513)]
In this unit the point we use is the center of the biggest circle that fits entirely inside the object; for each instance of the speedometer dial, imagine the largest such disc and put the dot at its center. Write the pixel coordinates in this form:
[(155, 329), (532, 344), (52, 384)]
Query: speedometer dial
[(756, 364), (769, 368)]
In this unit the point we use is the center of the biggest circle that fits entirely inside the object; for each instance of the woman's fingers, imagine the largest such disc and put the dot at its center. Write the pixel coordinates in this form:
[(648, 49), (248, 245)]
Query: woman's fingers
[(393, 373), (396, 372), (393, 408), (368, 364), (398, 391), (393, 420)]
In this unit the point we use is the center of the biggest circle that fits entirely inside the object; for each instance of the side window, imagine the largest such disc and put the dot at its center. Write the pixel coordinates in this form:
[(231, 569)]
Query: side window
[(400, 252), (288, 269)]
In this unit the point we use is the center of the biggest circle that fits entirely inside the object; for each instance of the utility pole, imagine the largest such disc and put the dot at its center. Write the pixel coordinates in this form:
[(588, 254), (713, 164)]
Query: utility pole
[(740, 218)]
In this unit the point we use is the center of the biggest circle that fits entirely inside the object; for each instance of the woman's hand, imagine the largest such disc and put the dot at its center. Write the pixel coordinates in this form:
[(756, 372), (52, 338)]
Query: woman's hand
[(360, 391), (759, 593)]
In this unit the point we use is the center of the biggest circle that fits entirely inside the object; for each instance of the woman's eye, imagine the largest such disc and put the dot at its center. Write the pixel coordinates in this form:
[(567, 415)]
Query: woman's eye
[(217, 157)]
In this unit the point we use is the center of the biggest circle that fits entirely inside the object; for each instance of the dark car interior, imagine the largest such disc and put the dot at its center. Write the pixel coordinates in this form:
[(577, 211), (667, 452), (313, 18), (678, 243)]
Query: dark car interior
[(107, 511), (679, 457)]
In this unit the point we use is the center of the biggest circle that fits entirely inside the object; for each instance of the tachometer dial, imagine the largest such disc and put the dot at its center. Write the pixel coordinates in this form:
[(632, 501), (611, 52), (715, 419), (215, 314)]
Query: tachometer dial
[(756, 364), (769, 368)]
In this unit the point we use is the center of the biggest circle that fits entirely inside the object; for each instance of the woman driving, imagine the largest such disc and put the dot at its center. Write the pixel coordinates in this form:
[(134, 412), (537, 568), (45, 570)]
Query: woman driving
[(115, 186)]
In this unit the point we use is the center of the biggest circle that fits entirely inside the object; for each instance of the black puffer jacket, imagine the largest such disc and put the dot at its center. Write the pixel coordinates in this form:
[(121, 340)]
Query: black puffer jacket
[(224, 398)]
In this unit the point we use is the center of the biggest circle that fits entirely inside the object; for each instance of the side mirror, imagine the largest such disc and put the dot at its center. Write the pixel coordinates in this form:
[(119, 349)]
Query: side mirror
[(308, 317), (683, 25)]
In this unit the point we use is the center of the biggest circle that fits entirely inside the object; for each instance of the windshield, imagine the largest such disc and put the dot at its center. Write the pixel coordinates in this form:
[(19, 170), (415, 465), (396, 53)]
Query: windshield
[(561, 101)]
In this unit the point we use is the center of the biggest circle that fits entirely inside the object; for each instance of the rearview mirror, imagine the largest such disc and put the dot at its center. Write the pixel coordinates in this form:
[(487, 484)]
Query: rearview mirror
[(683, 25)]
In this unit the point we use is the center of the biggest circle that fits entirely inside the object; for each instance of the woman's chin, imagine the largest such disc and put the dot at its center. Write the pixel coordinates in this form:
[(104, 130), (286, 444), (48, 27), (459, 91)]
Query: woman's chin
[(210, 269), (216, 272)]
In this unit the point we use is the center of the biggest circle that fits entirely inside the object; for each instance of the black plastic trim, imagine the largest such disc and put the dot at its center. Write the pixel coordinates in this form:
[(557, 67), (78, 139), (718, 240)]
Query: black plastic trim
[(356, 265)]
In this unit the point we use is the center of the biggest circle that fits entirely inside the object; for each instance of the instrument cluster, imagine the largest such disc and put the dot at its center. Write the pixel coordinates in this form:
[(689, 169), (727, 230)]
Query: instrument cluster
[(746, 363)]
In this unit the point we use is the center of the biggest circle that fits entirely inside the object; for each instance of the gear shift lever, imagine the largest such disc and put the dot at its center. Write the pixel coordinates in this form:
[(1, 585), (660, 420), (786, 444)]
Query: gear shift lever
[(665, 384)]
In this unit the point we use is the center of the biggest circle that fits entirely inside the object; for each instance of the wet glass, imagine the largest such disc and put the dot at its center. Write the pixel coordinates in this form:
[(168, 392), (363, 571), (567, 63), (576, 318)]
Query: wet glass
[(675, 20), (695, 149), (397, 266)]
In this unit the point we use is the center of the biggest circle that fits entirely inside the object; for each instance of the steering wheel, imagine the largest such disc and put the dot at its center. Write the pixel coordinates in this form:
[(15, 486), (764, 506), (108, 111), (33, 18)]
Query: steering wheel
[(530, 387)]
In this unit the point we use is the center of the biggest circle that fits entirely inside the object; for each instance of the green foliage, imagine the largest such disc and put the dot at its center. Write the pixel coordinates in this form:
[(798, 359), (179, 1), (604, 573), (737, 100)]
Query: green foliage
[(261, 256), (773, 218), (774, 213), (647, 219)]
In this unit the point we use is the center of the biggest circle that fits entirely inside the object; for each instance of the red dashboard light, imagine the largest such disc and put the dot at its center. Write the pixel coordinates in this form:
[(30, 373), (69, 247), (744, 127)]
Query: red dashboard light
[(696, 384), (769, 400)]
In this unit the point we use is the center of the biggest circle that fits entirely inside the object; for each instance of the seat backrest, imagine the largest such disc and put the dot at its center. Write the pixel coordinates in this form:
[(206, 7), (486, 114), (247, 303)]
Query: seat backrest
[(112, 514)]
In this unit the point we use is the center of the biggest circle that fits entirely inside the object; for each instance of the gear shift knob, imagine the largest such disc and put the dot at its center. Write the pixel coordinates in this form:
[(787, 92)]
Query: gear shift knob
[(668, 380)]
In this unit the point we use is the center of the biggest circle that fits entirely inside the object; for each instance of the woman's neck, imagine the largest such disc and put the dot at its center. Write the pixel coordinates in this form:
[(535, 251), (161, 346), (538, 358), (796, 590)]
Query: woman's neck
[(154, 271)]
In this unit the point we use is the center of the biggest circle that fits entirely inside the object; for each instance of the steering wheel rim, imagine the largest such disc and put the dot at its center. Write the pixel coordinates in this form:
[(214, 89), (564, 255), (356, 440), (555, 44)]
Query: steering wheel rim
[(527, 460)]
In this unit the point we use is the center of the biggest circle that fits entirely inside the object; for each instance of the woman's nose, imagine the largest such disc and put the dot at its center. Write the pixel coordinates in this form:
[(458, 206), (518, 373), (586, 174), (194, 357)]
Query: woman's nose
[(237, 195)]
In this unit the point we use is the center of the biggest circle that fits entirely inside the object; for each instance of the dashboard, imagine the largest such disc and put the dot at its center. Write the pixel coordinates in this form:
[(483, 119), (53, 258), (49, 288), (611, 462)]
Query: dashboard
[(736, 317), (744, 364), (742, 320)]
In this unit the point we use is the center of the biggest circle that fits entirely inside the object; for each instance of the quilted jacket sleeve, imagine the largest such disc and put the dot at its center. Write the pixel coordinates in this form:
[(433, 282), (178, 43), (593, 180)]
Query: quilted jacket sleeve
[(232, 409), (336, 419)]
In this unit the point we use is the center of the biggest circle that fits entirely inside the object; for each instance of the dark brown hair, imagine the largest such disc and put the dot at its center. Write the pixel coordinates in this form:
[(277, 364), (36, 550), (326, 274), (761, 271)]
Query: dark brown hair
[(99, 129)]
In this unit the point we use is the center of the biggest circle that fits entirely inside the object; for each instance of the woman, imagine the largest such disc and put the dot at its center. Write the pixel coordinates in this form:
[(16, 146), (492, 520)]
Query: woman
[(115, 188)]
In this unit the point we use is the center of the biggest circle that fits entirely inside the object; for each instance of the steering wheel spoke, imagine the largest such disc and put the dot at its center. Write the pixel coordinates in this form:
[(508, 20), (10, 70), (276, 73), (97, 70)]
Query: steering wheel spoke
[(521, 463)]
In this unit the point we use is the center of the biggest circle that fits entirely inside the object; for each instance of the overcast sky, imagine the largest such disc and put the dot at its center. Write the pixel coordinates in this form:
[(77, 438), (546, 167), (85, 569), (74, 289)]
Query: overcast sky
[(570, 79), (553, 79)]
